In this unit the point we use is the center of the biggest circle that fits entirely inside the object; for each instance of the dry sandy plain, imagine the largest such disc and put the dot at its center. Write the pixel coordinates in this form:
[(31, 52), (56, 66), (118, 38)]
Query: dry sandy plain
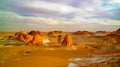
[(84, 53)]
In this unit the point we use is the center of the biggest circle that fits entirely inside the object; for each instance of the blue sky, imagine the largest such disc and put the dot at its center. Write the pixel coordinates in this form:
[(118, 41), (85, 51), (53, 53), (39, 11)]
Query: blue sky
[(66, 15)]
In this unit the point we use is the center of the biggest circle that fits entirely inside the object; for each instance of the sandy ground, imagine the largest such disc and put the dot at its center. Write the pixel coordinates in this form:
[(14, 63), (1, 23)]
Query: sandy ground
[(32, 56), (29, 56), (37, 56)]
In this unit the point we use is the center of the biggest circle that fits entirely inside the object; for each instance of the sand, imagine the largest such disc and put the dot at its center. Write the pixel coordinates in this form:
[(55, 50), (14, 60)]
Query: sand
[(38, 56), (32, 56)]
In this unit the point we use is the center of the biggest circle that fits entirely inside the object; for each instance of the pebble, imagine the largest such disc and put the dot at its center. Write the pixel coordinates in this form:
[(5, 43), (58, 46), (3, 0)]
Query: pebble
[(27, 53)]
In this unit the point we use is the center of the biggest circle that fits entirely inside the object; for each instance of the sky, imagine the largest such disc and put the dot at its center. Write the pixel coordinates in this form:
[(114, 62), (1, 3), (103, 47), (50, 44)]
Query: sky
[(63, 15)]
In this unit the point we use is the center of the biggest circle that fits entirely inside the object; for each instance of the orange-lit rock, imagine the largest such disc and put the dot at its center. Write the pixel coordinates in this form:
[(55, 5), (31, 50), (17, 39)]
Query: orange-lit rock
[(114, 37), (83, 33), (27, 38), (21, 36), (56, 33), (37, 39), (118, 30), (101, 33), (67, 41), (33, 37), (36, 32), (60, 39)]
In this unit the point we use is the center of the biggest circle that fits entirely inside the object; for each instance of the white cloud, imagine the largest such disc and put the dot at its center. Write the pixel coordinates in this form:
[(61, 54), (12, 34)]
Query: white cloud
[(113, 1), (63, 9), (40, 13)]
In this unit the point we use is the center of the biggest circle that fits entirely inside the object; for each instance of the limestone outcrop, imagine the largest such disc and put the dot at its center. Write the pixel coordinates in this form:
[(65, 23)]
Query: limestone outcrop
[(33, 37), (23, 36), (114, 37), (67, 41), (83, 33), (56, 33)]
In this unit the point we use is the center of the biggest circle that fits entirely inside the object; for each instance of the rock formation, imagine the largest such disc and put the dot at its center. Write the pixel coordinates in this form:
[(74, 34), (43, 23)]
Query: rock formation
[(67, 41), (23, 36), (33, 37), (60, 39), (37, 39), (56, 33), (118, 31), (114, 37), (83, 33), (101, 33), (36, 32)]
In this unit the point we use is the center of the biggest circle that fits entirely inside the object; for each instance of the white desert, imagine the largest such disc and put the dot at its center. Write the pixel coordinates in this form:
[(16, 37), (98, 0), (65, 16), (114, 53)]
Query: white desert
[(60, 49)]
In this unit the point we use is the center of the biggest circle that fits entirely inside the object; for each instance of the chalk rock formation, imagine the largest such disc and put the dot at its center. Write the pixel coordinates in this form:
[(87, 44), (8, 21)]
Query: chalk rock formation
[(60, 39), (37, 39), (67, 41), (118, 31), (33, 37), (83, 33), (56, 33), (114, 37), (36, 32), (23, 36)]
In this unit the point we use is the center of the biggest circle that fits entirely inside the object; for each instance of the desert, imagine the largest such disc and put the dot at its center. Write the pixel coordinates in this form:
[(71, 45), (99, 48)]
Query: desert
[(60, 49), (59, 33)]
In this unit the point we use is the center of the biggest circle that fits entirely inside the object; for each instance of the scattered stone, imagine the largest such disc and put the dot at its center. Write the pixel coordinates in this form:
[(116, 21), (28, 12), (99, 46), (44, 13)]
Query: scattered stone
[(73, 65), (27, 53)]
